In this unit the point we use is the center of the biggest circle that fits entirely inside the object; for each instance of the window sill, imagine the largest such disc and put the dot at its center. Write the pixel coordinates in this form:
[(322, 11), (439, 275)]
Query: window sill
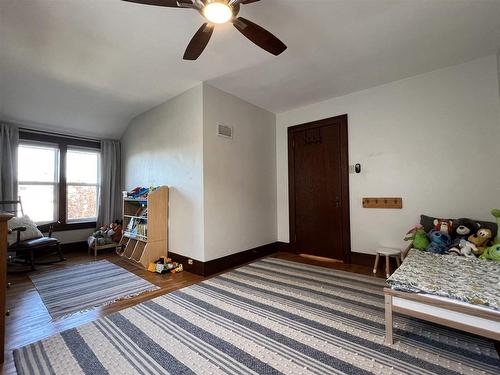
[(69, 226)]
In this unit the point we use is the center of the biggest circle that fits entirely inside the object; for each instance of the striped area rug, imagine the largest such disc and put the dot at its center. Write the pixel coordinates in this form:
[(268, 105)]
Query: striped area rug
[(85, 286), (270, 317)]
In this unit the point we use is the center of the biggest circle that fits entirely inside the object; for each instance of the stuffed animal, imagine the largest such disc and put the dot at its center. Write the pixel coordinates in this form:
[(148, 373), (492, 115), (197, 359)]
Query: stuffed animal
[(444, 226), (496, 212), (464, 248), (418, 237), (116, 231), (107, 234), (491, 253), (462, 229), (480, 239), (439, 242)]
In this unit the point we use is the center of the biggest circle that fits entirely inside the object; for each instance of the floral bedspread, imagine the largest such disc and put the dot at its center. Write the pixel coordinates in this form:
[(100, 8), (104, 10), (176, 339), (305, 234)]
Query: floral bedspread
[(466, 279)]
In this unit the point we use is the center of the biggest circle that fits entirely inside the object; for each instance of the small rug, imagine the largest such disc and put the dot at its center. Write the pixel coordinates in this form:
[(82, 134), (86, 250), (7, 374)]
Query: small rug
[(86, 286), (269, 317)]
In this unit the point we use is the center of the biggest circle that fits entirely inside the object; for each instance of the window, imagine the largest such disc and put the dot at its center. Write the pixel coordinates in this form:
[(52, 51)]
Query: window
[(59, 179), (38, 175), (82, 180)]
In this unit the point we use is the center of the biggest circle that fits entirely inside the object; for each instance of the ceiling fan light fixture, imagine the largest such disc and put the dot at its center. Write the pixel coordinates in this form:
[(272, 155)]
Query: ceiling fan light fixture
[(217, 12)]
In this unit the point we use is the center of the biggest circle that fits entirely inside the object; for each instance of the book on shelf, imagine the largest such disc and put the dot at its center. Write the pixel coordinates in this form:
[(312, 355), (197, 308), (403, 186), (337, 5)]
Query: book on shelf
[(142, 230), (137, 227)]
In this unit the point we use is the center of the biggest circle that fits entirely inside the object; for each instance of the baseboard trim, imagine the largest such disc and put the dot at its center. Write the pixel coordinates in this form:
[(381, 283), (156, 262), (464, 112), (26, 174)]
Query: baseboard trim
[(71, 247), (222, 264), (360, 259), (284, 247), (363, 259), (197, 267)]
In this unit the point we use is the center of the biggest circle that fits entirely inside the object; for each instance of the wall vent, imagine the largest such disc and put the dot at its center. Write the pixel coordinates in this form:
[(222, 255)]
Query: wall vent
[(225, 131)]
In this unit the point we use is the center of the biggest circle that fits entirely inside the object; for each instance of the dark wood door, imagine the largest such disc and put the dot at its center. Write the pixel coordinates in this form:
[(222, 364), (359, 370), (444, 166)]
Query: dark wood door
[(319, 208)]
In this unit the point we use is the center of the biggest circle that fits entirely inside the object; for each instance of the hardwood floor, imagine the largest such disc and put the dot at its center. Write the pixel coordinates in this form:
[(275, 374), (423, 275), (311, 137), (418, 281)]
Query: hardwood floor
[(29, 320)]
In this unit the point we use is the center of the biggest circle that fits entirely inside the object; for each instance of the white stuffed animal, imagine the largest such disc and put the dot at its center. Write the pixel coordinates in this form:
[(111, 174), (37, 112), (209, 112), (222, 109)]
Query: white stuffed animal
[(465, 248)]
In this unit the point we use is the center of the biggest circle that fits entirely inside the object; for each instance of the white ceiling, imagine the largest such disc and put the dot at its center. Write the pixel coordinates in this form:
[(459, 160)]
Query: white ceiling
[(90, 66)]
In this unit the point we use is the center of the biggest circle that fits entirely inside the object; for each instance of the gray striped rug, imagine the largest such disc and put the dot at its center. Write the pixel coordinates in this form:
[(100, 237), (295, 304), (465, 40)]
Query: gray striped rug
[(85, 286), (270, 317)]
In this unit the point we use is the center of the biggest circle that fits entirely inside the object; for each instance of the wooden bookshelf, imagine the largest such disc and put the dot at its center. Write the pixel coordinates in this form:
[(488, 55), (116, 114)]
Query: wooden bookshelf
[(145, 226)]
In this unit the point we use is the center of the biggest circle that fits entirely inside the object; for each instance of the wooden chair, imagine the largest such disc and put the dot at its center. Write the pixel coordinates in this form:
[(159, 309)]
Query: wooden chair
[(28, 248)]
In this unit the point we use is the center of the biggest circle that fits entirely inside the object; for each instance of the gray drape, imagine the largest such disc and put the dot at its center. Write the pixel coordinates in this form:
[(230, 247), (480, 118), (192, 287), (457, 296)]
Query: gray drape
[(9, 140), (110, 202)]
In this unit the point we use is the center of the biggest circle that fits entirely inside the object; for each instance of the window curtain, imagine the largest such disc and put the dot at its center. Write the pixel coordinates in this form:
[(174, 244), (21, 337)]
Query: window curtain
[(9, 140), (110, 202)]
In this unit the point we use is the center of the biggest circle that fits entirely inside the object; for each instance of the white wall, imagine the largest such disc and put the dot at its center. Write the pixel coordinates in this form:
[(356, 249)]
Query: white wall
[(70, 236), (498, 68), (239, 175), (223, 192), (164, 146), (432, 139)]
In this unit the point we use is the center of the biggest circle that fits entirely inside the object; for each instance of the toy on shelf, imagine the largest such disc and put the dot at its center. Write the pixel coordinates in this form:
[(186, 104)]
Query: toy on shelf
[(108, 236), (139, 192), (480, 239), (439, 242), (418, 237), (491, 253), (145, 220), (496, 212)]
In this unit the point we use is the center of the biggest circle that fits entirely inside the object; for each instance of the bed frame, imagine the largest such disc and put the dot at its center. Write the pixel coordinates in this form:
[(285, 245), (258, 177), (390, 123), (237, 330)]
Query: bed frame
[(459, 315)]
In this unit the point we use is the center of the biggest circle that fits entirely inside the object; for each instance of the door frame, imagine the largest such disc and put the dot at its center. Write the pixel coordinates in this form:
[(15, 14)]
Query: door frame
[(340, 121)]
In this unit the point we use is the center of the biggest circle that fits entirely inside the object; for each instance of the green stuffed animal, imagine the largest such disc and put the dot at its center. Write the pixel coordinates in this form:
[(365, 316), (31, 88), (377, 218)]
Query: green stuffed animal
[(418, 237), (491, 253), (496, 212)]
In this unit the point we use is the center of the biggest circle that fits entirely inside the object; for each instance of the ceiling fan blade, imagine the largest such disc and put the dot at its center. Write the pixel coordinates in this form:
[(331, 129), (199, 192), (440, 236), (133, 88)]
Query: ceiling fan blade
[(234, 2), (260, 36), (199, 42), (165, 3)]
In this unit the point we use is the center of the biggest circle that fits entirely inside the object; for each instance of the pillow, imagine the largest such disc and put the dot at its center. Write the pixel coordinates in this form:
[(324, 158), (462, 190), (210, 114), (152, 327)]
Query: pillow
[(23, 221), (428, 223)]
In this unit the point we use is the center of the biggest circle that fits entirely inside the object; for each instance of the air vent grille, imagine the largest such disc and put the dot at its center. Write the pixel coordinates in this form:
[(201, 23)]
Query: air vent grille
[(225, 131)]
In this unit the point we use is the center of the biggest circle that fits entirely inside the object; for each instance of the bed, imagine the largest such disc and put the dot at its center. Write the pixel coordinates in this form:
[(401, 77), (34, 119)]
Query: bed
[(458, 292)]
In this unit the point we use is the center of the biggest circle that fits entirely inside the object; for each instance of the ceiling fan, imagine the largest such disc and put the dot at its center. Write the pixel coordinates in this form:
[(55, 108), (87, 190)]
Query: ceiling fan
[(219, 12)]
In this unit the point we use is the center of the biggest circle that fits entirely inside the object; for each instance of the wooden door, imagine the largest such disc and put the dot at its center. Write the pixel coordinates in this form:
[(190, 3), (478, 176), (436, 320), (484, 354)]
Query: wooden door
[(319, 196)]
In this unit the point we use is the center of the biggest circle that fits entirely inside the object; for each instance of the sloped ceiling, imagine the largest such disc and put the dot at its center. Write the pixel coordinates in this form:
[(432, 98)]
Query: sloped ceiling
[(89, 66)]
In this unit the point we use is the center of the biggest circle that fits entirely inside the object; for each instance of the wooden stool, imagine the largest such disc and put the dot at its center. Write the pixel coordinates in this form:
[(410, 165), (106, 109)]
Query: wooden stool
[(387, 252)]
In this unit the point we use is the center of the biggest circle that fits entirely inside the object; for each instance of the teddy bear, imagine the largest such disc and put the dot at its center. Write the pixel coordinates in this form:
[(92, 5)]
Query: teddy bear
[(491, 253), (462, 229), (443, 226), (116, 231), (439, 242), (418, 237), (480, 239)]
